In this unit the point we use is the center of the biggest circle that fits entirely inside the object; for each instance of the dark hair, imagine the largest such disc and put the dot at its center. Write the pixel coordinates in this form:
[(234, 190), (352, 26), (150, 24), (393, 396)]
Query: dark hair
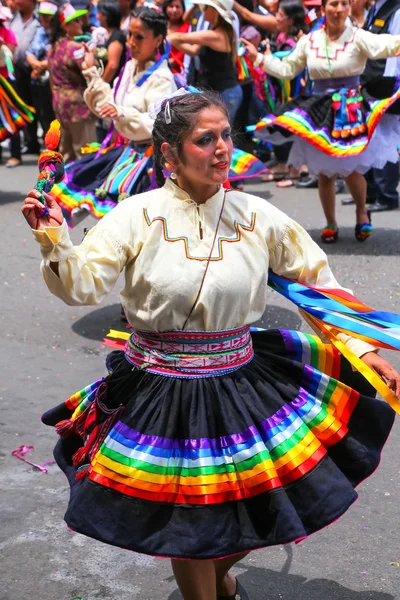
[(325, 2), (184, 111), (111, 11), (168, 3), (56, 30), (230, 32), (294, 10), (152, 19)]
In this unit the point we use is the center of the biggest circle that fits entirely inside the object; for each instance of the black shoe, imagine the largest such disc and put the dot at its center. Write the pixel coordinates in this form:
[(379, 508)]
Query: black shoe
[(30, 150), (240, 594), (378, 207), (348, 201), (339, 186), (308, 182)]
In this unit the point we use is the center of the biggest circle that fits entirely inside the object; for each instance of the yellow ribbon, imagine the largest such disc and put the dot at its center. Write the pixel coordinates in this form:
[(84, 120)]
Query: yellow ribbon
[(370, 375)]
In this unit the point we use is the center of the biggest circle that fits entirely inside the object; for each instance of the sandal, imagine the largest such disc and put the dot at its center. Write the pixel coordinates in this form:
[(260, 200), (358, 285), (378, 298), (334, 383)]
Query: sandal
[(12, 163), (362, 231), (286, 182), (330, 234), (273, 176), (240, 594)]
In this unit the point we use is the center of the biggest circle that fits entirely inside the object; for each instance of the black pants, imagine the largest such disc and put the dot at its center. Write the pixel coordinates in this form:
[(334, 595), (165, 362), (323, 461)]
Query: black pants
[(42, 102), (382, 184), (24, 90)]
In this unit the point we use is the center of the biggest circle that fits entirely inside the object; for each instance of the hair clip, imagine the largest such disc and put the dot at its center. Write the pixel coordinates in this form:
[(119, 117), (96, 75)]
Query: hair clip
[(167, 113)]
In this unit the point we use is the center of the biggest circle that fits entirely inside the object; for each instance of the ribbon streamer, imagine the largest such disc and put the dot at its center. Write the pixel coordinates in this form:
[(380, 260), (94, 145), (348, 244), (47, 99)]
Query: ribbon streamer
[(20, 453), (335, 310)]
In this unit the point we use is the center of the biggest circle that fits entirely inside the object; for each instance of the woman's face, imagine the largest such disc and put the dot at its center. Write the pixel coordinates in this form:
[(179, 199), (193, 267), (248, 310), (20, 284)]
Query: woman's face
[(141, 41), (282, 21), (102, 19), (336, 12), (207, 150), (174, 11), (45, 21), (210, 15), (73, 28)]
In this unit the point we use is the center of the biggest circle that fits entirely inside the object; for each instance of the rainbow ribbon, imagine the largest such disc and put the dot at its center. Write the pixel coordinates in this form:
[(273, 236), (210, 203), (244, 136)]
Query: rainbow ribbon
[(335, 310)]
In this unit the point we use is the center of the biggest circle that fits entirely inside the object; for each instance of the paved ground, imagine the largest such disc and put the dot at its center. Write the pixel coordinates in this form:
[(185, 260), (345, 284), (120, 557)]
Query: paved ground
[(49, 350)]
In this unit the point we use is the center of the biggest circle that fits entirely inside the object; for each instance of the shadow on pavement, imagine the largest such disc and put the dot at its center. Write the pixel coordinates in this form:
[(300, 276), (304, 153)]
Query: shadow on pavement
[(384, 242), (280, 318), (96, 324), (10, 197), (264, 584)]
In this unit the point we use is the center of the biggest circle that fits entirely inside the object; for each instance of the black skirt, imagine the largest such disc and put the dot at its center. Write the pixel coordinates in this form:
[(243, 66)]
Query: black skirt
[(209, 467)]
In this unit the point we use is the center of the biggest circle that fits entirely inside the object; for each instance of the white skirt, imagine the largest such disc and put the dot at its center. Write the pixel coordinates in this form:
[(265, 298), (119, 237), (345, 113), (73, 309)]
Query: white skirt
[(381, 150)]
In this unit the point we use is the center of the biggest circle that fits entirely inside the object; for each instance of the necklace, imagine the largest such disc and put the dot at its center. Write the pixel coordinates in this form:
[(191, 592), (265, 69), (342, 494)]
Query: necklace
[(327, 54), (328, 60)]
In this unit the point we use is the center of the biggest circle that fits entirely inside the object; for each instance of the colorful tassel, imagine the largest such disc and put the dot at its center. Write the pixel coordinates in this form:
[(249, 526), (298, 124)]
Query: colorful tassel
[(50, 163)]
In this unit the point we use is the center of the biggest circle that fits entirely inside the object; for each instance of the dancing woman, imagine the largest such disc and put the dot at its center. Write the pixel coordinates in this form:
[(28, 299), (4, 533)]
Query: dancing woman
[(14, 113), (101, 179), (207, 441), (336, 130), (216, 48)]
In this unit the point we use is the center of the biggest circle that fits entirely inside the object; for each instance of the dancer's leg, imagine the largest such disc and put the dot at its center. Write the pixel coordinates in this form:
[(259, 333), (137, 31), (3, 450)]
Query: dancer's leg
[(327, 194), (358, 189), (226, 583), (195, 578)]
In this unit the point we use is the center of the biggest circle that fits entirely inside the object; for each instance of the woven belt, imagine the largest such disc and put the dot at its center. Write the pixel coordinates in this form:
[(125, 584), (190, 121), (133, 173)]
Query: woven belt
[(190, 354)]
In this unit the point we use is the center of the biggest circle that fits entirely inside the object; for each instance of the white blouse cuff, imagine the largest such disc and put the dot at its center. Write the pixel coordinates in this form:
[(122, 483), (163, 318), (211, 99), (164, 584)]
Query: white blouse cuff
[(259, 60), (55, 243)]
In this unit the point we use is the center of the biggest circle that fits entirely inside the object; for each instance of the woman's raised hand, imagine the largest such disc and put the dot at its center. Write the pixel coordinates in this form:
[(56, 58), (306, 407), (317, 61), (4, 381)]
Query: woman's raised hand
[(33, 211), (89, 60), (384, 369), (108, 111), (251, 50)]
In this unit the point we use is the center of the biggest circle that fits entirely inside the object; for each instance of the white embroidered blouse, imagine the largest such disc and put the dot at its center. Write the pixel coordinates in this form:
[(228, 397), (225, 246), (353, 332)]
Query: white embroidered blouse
[(132, 102), (162, 239), (347, 55)]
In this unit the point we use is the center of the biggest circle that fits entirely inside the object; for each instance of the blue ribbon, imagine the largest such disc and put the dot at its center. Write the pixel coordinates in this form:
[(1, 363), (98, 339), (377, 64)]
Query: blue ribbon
[(155, 66), (336, 313)]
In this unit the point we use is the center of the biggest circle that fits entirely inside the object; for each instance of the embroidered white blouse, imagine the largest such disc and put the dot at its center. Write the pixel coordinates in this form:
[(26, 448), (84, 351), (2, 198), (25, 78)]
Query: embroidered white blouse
[(347, 55), (132, 102), (163, 239)]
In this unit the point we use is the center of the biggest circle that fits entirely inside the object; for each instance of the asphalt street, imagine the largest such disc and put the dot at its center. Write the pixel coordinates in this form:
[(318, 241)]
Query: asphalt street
[(49, 350)]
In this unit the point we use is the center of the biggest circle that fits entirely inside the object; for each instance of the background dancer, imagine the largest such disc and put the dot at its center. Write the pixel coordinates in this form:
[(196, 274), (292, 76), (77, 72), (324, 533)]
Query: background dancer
[(336, 130), (217, 50), (65, 59), (99, 180), (206, 442)]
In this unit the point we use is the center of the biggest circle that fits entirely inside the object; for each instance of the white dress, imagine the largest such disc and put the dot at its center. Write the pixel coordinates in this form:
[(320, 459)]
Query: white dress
[(347, 58)]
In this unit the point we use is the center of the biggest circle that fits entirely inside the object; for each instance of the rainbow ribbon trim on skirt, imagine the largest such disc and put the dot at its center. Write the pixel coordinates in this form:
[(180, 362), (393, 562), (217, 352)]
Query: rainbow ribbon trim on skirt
[(190, 354), (272, 454), (297, 122)]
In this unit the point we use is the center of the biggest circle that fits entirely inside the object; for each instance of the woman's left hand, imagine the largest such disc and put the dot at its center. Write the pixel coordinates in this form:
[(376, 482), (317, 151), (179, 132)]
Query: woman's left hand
[(384, 369), (251, 50), (108, 111)]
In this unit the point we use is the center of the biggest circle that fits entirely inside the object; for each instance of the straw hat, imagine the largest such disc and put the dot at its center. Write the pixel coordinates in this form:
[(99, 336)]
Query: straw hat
[(223, 7), (47, 8)]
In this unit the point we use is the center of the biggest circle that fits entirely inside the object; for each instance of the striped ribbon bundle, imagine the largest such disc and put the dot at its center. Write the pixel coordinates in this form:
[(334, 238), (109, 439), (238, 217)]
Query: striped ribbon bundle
[(335, 310)]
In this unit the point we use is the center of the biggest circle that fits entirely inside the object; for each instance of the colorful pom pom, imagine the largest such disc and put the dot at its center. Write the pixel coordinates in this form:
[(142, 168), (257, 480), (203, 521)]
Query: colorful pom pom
[(53, 135)]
